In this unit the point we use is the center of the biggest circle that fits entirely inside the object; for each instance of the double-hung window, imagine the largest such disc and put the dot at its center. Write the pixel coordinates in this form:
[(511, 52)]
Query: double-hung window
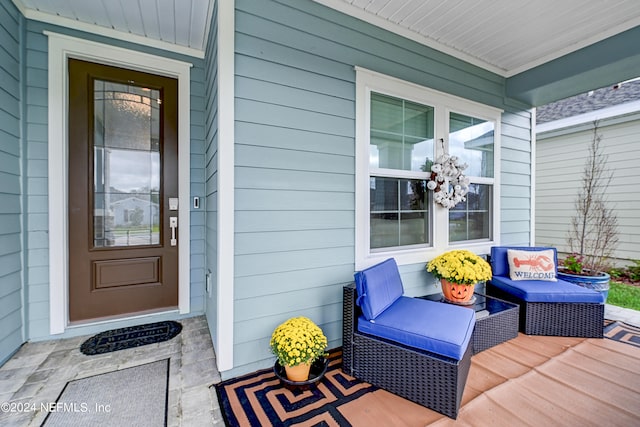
[(402, 129), (400, 138)]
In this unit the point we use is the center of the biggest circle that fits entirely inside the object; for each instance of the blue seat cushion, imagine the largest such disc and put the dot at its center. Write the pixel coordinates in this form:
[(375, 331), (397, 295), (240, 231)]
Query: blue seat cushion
[(543, 291), (437, 327), (378, 287)]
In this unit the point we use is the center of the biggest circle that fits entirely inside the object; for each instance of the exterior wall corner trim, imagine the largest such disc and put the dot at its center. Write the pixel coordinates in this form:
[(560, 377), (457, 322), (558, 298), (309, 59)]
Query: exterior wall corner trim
[(226, 184)]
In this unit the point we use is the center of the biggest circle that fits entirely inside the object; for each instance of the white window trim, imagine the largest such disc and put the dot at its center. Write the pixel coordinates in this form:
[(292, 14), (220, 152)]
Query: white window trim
[(61, 48), (368, 81)]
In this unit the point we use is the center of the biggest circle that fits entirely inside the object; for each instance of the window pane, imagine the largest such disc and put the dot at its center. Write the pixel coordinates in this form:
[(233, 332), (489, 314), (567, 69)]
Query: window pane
[(386, 113), (384, 230), (384, 194), (127, 165), (471, 140), (399, 215), (413, 228), (471, 220), (401, 134)]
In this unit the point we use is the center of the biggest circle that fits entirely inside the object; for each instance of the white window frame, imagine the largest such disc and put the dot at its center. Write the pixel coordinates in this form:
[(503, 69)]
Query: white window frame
[(368, 81)]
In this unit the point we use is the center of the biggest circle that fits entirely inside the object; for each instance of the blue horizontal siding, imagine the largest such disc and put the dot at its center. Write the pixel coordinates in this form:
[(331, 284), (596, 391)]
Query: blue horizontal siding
[(291, 117), (11, 309), (516, 178), (258, 135), (295, 159), (36, 207), (292, 97), (210, 179), (284, 179), (286, 241), (273, 262), (292, 159)]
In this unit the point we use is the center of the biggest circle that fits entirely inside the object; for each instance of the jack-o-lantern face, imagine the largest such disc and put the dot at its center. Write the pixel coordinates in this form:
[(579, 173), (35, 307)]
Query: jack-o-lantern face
[(457, 292)]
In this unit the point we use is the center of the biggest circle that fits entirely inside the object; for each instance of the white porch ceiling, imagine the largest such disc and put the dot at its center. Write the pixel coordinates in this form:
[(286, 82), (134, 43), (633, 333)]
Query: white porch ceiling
[(504, 36), (176, 25)]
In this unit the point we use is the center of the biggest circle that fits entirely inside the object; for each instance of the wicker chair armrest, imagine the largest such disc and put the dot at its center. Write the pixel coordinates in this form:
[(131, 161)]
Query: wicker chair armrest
[(350, 317)]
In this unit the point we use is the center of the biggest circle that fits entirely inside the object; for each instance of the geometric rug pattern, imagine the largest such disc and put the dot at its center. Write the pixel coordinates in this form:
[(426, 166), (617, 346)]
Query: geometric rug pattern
[(622, 332), (259, 399)]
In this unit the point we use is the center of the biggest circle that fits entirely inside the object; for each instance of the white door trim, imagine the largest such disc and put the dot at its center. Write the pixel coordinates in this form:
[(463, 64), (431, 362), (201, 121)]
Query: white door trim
[(62, 47)]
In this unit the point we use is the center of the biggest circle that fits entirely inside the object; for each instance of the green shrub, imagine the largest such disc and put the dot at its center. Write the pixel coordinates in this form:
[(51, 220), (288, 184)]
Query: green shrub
[(631, 272), (634, 270), (616, 273)]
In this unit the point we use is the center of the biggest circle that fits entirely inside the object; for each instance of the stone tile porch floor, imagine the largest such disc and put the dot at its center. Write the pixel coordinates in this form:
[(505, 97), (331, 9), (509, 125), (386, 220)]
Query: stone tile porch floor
[(38, 372)]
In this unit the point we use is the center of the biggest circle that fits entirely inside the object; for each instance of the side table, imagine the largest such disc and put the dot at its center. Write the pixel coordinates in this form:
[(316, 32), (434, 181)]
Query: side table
[(496, 322)]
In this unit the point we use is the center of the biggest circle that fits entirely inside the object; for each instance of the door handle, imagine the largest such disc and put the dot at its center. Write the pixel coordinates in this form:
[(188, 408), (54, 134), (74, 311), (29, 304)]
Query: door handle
[(173, 224)]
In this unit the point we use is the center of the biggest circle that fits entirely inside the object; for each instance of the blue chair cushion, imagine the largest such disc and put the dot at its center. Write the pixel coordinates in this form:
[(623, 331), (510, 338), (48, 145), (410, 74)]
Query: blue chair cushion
[(437, 327), (500, 261), (378, 287), (544, 291)]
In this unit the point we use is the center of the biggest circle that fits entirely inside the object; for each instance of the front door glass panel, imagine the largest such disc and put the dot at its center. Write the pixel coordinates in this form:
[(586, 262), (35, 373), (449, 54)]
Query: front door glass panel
[(126, 165)]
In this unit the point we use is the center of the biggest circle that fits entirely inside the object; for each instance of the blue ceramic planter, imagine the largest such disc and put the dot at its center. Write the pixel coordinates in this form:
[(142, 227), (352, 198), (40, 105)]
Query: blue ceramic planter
[(598, 283)]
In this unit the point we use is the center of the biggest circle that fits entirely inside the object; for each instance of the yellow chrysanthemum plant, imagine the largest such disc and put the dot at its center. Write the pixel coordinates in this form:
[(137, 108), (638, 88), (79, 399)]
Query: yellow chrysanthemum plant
[(458, 270), (298, 340), (460, 266)]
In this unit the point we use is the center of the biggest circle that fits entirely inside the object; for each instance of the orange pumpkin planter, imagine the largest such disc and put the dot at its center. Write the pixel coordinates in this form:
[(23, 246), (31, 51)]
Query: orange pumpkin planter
[(455, 292), (462, 266)]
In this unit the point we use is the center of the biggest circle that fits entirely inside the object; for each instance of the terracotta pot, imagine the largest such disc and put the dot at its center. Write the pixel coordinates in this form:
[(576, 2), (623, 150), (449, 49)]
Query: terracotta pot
[(455, 292), (299, 372)]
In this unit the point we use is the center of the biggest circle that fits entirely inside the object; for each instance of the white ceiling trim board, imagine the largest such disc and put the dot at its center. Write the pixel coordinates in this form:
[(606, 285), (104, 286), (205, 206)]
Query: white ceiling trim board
[(107, 32)]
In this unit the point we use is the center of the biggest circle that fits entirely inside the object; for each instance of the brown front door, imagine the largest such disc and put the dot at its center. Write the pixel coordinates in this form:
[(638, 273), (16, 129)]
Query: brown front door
[(123, 189)]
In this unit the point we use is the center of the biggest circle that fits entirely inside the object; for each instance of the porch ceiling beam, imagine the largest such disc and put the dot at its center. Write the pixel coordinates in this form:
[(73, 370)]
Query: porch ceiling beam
[(607, 62)]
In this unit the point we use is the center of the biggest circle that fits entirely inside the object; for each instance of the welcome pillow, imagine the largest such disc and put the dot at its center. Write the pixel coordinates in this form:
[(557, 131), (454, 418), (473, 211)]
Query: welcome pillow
[(532, 265)]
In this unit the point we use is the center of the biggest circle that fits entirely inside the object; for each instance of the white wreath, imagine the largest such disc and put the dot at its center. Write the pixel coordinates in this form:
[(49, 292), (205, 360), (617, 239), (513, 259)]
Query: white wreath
[(448, 183)]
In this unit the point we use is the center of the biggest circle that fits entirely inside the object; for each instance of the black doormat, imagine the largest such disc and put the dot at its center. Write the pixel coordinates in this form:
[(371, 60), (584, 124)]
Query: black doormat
[(133, 336)]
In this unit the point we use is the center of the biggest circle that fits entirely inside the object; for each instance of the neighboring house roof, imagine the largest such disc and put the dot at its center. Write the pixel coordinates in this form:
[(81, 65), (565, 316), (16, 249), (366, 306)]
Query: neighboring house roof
[(591, 101)]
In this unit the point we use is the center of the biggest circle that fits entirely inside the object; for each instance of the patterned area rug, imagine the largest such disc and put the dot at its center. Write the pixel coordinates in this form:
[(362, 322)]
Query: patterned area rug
[(503, 382), (134, 336), (622, 332), (260, 399)]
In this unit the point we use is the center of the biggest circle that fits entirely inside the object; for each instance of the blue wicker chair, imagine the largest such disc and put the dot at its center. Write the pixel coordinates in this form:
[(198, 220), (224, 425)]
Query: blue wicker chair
[(415, 348), (556, 308)]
